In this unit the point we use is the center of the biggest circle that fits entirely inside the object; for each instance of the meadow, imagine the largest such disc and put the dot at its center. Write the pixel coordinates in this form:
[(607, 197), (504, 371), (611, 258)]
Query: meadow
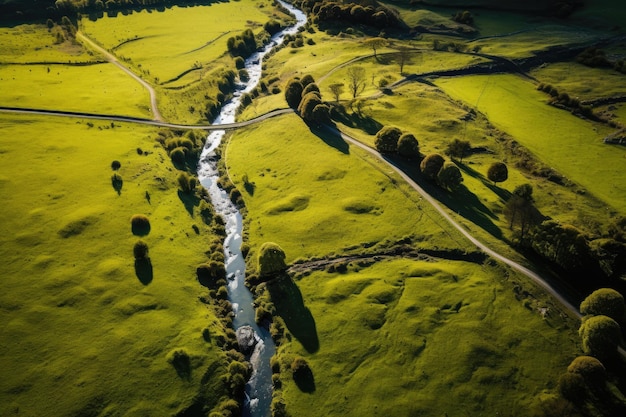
[(85, 332)]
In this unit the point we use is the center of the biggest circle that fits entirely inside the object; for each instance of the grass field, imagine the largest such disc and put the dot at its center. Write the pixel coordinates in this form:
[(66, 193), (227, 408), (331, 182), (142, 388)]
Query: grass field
[(82, 334), (396, 336), (315, 207), (572, 146)]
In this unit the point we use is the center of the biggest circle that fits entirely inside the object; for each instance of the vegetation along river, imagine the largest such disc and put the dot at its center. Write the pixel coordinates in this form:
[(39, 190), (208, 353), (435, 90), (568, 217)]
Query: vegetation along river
[(259, 387)]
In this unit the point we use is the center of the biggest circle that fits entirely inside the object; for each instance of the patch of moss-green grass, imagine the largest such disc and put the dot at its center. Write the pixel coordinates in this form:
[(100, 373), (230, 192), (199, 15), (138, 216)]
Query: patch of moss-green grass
[(582, 82), (166, 44), (94, 88), (395, 336), (571, 145), (87, 329), (285, 161)]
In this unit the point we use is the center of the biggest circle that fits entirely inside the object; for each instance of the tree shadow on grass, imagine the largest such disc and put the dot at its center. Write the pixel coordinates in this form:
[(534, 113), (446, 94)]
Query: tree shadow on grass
[(360, 121), (143, 270), (503, 194), (189, 200), (332, 137), (304, 380), (289, 304), (462, 200)]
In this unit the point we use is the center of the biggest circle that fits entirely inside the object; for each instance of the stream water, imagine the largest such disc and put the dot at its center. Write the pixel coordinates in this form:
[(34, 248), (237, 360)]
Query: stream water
[(259, 387)]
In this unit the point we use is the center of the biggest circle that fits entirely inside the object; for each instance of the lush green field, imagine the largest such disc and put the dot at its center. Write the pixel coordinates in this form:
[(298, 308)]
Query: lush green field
[(82, 334), (572, 146), (315, 198), (92, 88), (434, 338)]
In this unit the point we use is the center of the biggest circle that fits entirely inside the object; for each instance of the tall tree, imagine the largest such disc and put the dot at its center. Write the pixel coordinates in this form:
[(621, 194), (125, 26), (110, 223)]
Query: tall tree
[(376, 43), (293, 93), (356, 80), (403, 57), (336, 90)]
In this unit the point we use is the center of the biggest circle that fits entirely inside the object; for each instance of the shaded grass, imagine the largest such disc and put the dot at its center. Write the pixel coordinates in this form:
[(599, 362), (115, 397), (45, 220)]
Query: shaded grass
[(395, 336), (82, 327), (572, 146), (278, 160)]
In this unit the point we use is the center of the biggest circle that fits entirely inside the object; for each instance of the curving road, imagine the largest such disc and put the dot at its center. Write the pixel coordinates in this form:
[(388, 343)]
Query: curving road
[(111, 58)]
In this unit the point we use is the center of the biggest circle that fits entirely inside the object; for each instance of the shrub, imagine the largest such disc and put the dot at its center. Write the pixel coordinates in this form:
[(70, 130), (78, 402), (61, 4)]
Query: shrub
[(271, 259), (115, 165), (311, 88), (431, 165), (590, 368), (408, 146), (299, 365), (210, 273), (140, 225), (117, 182), (387, 139), (606, 302), (600, 337), (240, 62), (572, 387), (140, 250), (177, 156), (187, 183), (498, 172)]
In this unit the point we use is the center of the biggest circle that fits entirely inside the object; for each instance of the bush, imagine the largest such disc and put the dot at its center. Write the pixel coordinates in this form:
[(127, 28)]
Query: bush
[(177, 156), (498, 172), (431, 165), (387, 139), (572, 387), (408, 146), (115, 165), (271, 259), (600, 337), (450, 177), (140, 250), (209, 274), (590, 368), (140, 225), (240, 62), (187, 183), (293, 93), (606, 302)]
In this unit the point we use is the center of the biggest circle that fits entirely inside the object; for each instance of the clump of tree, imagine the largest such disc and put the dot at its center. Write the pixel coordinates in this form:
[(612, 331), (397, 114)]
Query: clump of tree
[(304, 95), (376, 15), (604, 301), (464, 17), (563, 100), (563, 244), (242, 45), (391, 140)]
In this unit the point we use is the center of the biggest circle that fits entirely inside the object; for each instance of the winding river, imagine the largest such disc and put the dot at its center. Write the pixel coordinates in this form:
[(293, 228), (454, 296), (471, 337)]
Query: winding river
[(259, 387)]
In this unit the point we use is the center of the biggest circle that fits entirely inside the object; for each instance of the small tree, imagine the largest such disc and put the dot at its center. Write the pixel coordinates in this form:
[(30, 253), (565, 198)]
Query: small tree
[(605, 301), (600, 336), (293, 93), (387, 139), (376, 43), (356, 80), (498, 172), (590, 368), (140, 250), (403, 57), (431, 165), (449, 177), (459, 149), (408, 146), (520, 211), (336, 90), (271, 259)]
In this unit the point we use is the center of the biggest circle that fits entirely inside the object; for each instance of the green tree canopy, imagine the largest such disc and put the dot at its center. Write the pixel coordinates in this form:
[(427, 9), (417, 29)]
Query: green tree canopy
[(563, 244), (431, 165), (408, 146), (308, 104), (606, 302), (600, 336), (498, 172), (293, 93), (449, 176), (387, 139), (271, 259), (458, 149), (520, 211), (590, 368)]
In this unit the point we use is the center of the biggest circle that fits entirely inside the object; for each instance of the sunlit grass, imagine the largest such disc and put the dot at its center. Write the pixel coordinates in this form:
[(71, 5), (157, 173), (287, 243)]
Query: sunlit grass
[(81, 332)]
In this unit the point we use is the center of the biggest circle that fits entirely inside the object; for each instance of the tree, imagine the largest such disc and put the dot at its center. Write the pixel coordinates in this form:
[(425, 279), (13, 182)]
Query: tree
[(403, 57), (590, 368), (293, 93), (431, 165), (600, 337), (387, 139), (271, 259), (308, 104), (306, 80), (606, 302), (408, 146), (336, 90), (449, 176), (356, 80), (520, 210), (459, 149), (311, 87), (564, 245), (321, 114), (498, 172), (376, 43)]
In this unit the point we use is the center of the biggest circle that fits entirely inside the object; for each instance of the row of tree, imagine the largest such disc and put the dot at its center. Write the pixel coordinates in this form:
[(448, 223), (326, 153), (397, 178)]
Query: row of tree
[(376, 15)]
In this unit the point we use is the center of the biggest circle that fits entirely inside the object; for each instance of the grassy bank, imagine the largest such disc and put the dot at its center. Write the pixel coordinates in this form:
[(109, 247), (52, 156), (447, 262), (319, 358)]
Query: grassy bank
[(85, 331)]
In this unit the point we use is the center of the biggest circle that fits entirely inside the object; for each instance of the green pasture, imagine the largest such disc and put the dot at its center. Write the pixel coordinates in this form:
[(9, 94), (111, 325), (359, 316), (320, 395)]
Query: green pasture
[(32, 43), (570, 145), (430, 338), (97, 88), (316, 196), (85, 332), (581, 81), (165, 44)]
